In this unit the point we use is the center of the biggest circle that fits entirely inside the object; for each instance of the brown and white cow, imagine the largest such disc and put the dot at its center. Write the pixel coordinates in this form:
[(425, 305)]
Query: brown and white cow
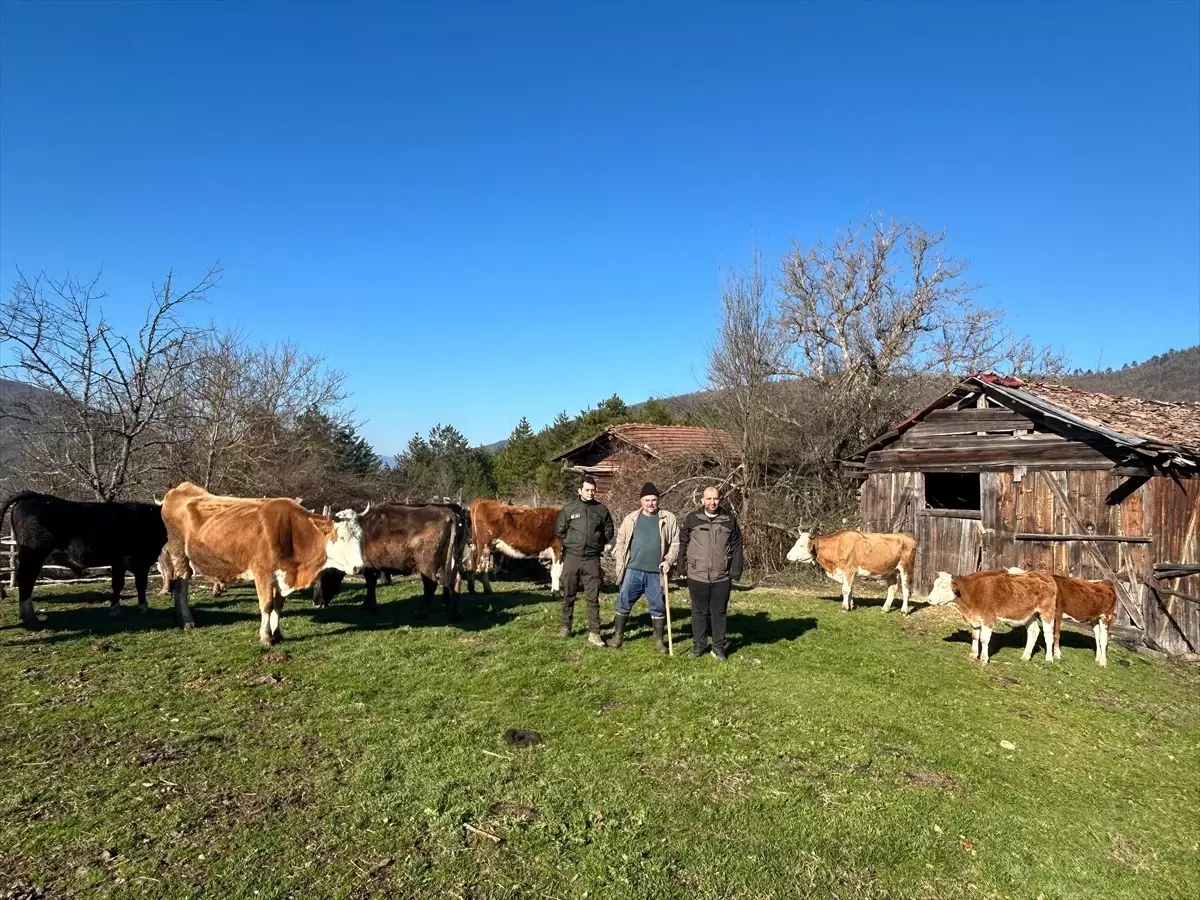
[(996, 595), (1086, 602), (844, 555), (276, 542), (517, 531), (400, 538)]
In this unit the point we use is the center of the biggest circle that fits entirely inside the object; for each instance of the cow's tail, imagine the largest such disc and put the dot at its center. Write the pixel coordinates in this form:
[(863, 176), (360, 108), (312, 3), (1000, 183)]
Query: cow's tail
[(451, 565), (3, 512)]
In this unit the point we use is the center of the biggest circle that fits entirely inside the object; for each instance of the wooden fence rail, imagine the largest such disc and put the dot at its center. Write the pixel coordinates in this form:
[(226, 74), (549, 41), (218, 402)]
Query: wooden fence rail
[(8, 570)]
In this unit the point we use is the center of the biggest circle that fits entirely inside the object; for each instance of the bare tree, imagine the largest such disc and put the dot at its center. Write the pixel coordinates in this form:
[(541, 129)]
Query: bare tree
[(240, 413), (101, 424), (884, 300)]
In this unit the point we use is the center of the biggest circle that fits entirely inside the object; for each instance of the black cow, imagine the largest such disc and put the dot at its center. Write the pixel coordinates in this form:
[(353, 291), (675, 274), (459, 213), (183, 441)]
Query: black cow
[(81, 535), (428, 539)]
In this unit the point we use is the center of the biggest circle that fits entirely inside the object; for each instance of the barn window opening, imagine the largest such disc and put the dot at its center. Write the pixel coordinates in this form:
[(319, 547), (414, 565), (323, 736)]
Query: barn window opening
[(952, 490)]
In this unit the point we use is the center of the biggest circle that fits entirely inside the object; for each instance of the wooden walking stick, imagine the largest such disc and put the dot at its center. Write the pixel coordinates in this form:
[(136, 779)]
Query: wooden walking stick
[(667, 603)]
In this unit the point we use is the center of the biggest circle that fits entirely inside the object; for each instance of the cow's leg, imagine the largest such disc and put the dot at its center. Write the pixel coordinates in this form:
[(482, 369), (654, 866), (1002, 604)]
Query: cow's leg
[(891, 592), (470, 581), (118, 582), (1050, 633), (141, 579), (450, 600), (847, 587), (428, 589), (29, 566), (974, 642), (371, 576), (183, 612), (904, 591), (1100, 630), (276, 616), (264, 585), (985, 638), (1031, 634), (556, 567)]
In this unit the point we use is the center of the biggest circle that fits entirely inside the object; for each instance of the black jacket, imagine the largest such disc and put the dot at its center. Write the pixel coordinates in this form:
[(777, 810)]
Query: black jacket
[(584, 528), (710, 550)]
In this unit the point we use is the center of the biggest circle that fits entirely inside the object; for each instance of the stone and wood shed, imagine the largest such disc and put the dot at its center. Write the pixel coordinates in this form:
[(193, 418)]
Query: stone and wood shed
[(1001, 472)]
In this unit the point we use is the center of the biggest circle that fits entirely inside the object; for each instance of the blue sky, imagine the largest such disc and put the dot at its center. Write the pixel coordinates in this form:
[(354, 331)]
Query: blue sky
[(484, 211)]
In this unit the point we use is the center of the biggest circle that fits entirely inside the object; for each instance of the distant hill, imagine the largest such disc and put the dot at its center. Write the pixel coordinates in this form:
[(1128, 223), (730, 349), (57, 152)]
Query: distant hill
[(1174, 376)]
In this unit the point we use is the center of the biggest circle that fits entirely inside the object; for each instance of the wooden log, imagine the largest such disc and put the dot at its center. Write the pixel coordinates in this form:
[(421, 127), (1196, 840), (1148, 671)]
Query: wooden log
[(1101, 538), (951, 513)]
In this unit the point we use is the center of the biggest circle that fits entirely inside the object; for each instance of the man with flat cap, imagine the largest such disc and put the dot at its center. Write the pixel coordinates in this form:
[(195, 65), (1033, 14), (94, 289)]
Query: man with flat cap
[(646, 546)]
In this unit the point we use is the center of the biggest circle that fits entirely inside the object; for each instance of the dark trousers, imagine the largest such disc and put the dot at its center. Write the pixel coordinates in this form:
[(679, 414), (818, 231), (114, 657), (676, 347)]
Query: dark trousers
[(709, 601), (583, 573)]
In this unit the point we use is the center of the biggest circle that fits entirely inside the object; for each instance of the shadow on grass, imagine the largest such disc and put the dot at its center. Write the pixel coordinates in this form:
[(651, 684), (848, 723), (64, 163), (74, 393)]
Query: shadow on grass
[(1014, 639), (67, 624), (404, 612), (914, 605)]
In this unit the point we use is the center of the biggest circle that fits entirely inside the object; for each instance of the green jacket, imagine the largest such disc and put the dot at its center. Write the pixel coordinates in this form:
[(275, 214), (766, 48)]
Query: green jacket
[(584, 528)]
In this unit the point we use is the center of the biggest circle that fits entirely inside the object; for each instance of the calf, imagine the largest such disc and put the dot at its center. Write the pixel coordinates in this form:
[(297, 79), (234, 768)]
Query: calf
[(1084, 602), (276, 542), (517, 531), (81, 535), (399, 538), (846, 554), (985, 598)]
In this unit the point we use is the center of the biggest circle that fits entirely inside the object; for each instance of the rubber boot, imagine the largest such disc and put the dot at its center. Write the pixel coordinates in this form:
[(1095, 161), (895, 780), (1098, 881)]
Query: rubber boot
[(618, 637), (660, 628)]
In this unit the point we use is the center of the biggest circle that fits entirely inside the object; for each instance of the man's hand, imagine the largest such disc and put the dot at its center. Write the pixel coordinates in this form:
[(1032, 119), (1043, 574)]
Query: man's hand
[(664, 567)]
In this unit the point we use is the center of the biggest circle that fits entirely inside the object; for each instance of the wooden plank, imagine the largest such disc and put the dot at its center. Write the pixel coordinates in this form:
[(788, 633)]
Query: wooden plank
[(980, 417), (1082, 538), (951, 513), (1001, 455), (950, 426), (1004, 439)]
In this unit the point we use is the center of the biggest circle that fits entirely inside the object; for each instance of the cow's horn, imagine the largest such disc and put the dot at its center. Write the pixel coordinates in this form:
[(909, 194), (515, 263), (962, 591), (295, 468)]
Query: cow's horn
[(367, 510)]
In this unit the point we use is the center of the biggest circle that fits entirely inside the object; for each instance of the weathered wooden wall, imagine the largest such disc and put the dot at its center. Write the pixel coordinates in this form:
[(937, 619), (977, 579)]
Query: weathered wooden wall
[(1156, 523)]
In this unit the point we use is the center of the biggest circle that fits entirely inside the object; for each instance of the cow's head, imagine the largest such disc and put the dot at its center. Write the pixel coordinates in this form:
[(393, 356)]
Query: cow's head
[(344, 549), (802, 550), (943, 590)]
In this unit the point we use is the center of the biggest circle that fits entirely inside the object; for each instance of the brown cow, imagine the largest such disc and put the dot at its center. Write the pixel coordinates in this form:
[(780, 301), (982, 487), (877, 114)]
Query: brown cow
[(843, 555), (517, 531), (276, 542), (1084, 602), (996, 595), (424, 538)]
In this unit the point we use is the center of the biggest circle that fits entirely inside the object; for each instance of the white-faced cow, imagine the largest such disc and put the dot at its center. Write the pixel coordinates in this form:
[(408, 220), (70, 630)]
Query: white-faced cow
[(401, 539), (845, 555), (996, 595), (276, 542), (517, 531), (81, 535), (1086, 602)]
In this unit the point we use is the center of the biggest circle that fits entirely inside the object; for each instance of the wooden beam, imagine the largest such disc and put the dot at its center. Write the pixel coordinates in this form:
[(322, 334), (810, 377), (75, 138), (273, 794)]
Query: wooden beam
[(1101, 538), (951, 513)]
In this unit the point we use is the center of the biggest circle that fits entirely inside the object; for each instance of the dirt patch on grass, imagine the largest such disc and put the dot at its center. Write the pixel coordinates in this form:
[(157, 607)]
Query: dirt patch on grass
[(271, 678), (277, 656), (510, 810), (1129, 854), (929, 780), (156, 752)]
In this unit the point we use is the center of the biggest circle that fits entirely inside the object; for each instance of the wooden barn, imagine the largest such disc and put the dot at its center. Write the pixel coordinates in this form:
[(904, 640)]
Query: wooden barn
[(1000, 472), (601, 454)]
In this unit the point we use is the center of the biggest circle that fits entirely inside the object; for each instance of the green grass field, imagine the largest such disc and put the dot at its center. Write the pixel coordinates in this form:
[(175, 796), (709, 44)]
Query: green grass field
[(834, 755)]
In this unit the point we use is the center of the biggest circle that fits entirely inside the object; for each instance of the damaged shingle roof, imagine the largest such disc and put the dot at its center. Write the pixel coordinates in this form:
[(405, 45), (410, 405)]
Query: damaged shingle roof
[(660, 440)]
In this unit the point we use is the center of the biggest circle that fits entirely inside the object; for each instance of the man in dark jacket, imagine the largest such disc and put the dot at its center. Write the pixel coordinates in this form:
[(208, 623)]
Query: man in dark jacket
[(710, 552), (585, 527)]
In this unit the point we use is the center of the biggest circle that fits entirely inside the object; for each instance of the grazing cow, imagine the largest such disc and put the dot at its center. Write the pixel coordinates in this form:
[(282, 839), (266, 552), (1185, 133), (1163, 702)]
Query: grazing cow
[(1084, 602), (399, 538), (844, 555), (80, 535), (996, 595), (517, 531), (276, 542)]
